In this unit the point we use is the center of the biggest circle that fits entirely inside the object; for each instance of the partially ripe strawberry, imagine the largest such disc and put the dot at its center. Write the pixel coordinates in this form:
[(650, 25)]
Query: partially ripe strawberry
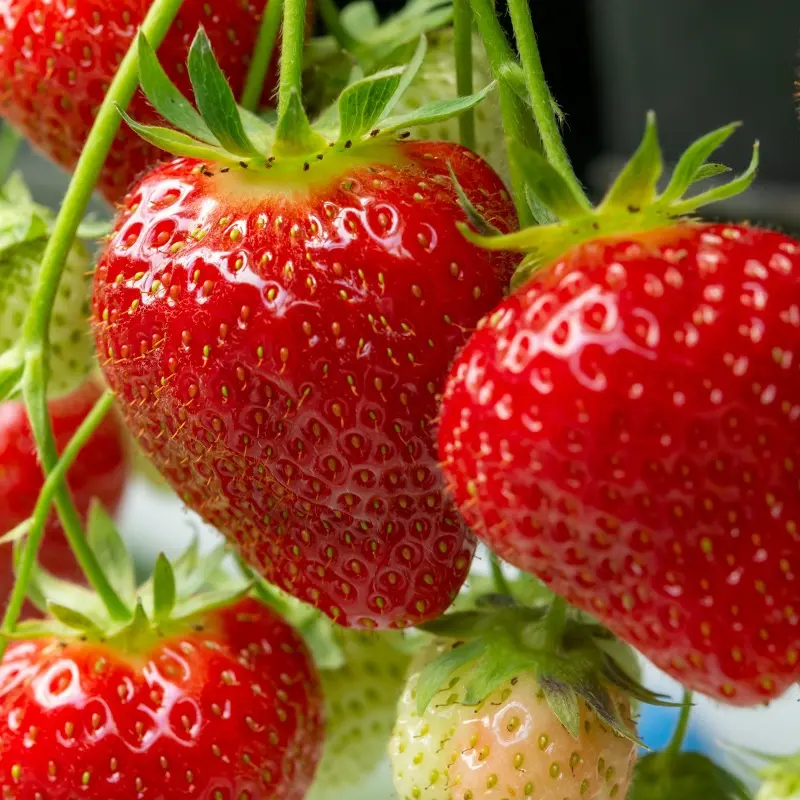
[(98, 473), (57, 61), (194, 694), (25, 226), (511, 745), (360, 706)]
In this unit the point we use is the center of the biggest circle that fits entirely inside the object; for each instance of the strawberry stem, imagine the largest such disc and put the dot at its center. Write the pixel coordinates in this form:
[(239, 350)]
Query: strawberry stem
[(262, 54), (84, 554), (36, 326), (500, 583), (682, 728), (330, 14), (517, 122), (462, 44), (554, 623), (541, 98), (9, 145)]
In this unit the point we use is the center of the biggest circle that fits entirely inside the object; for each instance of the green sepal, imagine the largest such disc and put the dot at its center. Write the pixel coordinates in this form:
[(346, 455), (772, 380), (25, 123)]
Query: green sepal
[(563, 702), (709, 171), (684, 776), (12, 366), (362, 103), (209, 601), (436, 673), (166, 97), (73, 619), (409, 74), (164, 594), (499, 664), (19, 531), (105, 540), (39, 629), (45, 588), (437, 111), (635, 187), (482, 622), (293, 133), (483, 226), (360, 17), (215, 100)]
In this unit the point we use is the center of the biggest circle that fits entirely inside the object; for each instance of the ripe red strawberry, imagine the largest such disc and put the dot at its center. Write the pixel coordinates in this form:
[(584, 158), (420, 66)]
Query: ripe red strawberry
[(278, 331), (626, 427), (222, 704), (98, 472), (57, 61)]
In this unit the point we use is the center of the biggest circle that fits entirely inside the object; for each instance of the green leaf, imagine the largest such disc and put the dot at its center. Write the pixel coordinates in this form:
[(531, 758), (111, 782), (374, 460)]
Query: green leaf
[(163, 589), (111, 552), (166, 98), (636, 185), (437, 111), (410, 72), (72, 618), (15, 191), (563, 702), (359, 18), (209, 601), (710, 170), (175, 142), (684, 776), (499, 664), (362, 103), (17, 532), (436, 674), (693, 159), (215, 99), (546, 183)]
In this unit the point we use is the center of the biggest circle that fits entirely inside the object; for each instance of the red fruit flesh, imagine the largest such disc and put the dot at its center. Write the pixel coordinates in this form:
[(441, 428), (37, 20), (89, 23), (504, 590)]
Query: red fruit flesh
[(57, 60), (99, 471), (279, 354), (230, 709), (626, 427)]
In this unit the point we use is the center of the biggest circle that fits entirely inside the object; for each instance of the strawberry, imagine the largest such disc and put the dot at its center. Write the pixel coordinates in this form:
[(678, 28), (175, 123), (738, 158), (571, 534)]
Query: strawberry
[(511, 744), (360, 705), (24, 228), (98, 472), (57, 61), (194, 695), (625, 425), (377, 46), (277, 329)]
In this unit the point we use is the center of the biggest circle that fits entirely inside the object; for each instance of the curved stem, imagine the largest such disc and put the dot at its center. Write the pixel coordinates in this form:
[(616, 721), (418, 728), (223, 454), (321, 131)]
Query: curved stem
[(682, 728), (500, 583), (51, 487), (462, 44), (262, 54), (555, 621), (330, 14), (10, 140), (541, 99), (517, 121), (35, 329)]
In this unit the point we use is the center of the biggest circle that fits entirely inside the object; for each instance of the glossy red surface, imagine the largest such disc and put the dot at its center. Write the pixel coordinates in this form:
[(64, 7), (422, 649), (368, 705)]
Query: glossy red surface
[(280, 358), (231, 709), (626, 427), (99, 471), (57, 60)]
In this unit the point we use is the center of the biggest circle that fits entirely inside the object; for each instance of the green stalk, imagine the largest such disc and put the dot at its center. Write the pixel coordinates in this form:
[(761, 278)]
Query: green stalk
[(554, 622), (9, 145), (262, 54), (501, 585), (541, 99), (681, 729), (36, 326), (330, 14), (42, 511), (462, 44), (517, 122)]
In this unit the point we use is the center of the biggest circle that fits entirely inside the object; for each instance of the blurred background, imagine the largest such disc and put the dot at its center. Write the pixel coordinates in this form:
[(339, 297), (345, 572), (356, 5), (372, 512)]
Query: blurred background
[(699, 64)]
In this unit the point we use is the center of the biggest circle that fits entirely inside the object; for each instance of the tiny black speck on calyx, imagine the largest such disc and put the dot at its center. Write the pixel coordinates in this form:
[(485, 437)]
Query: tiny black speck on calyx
[(404, 135), (348, 144), (320, 156), (374, 132), (225, 169), (634, 209), (306, 166), (244, 165)]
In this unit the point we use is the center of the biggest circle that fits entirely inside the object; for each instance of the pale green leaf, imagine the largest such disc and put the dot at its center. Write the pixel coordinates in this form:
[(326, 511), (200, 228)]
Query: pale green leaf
[(436, 674), (362, 103), (411, 71), (72, 618), (163, 589), (112, 554)]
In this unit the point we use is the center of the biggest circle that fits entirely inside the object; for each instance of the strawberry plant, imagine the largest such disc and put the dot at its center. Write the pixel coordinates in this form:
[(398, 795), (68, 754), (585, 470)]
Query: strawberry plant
[(276, 310)]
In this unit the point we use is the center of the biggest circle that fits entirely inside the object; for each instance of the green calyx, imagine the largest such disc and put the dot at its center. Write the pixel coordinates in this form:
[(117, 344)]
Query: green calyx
[(684, 776), (24, 230), (572, 661), (163, 605), (632, 206), (360, 124)]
